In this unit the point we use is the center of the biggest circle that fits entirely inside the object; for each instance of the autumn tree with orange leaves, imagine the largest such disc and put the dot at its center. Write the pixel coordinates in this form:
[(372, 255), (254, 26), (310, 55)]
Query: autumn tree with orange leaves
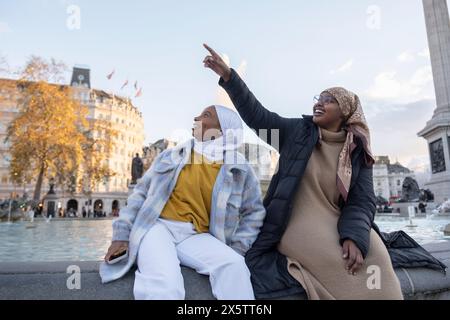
[(53, 136)]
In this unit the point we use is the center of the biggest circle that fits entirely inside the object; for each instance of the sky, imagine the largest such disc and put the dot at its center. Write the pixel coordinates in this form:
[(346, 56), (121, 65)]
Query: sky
[(287, 52)]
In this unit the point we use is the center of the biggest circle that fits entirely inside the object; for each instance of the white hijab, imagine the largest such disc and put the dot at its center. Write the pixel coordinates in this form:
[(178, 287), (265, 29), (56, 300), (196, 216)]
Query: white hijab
[(231, 139)]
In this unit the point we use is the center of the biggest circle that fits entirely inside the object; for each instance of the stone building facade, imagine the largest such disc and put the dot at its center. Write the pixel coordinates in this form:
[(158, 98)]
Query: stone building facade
[(109, 195), (388, 178)]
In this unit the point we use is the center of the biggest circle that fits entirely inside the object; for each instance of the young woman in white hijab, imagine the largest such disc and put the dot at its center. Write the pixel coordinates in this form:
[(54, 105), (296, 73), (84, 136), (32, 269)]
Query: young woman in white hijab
[(219, 132), (202, 209)]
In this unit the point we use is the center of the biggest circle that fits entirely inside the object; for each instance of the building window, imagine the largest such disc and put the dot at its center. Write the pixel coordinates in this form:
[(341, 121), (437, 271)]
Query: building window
[(398, 182)]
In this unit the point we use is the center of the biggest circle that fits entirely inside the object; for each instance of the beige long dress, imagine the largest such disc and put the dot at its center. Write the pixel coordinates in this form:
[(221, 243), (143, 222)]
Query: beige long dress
[(311, 239)]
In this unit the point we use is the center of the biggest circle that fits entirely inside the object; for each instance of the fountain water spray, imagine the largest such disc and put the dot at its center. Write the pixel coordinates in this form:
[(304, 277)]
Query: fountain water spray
[(412, 214)]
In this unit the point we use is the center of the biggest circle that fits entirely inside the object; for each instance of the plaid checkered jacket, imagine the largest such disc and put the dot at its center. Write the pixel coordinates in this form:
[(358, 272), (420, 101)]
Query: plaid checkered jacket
[(236, 216)]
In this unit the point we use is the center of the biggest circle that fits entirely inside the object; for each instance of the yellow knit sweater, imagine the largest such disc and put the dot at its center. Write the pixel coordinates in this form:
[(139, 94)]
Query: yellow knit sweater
[(190, 200)]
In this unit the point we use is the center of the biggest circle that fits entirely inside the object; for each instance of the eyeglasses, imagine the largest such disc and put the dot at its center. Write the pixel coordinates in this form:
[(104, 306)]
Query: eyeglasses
[(323, 100)]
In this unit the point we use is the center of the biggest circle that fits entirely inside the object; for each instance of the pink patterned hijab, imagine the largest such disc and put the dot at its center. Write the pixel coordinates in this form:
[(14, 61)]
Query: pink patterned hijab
[(355, 125)]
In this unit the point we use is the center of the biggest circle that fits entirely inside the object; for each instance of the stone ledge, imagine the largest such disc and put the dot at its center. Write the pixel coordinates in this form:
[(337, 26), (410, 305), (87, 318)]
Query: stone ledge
[(47, 280)]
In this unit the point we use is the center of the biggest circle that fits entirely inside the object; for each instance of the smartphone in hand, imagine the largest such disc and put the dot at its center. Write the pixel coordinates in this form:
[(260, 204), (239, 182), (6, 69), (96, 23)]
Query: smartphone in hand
[(118, 257)]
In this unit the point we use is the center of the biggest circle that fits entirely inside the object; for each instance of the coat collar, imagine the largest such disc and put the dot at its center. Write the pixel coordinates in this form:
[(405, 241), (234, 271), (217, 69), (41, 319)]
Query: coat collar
[(309, 119)]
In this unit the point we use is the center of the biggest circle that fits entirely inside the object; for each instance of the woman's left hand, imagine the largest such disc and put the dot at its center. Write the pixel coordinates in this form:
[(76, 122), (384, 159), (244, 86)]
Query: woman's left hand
[(215, 62), (353, 255)]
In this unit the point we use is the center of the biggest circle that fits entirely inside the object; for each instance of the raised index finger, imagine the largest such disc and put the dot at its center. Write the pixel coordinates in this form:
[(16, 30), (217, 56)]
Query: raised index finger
[(213, 53)]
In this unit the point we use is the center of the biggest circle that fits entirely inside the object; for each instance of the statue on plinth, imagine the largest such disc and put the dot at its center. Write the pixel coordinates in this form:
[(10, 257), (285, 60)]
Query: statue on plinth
[(410, 190), (137, 169)]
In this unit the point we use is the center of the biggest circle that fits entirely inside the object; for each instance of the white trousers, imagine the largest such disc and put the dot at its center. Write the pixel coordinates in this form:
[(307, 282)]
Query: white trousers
[(171, 243)]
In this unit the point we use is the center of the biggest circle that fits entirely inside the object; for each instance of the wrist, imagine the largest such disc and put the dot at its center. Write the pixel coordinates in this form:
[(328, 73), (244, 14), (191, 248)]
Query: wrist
[(227, 75), (120, 241)]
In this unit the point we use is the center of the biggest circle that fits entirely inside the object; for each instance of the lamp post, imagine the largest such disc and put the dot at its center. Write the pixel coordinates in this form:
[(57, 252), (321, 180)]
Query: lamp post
[(14, 184), (9, 211), (13, 194)]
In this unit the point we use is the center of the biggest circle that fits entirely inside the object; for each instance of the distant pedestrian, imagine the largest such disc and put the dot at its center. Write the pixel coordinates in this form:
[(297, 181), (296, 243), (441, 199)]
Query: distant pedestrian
[(422, 207)]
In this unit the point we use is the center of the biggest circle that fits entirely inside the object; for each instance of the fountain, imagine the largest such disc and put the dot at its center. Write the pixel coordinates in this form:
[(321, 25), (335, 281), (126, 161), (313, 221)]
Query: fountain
[(412, 195), (442, 211), (30, 214), (447, 230), (411, 214)]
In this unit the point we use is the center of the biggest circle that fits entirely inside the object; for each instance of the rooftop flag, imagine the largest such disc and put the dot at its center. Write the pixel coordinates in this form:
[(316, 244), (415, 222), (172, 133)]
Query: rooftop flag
[(109, 76), (139, 93), (124, 85)]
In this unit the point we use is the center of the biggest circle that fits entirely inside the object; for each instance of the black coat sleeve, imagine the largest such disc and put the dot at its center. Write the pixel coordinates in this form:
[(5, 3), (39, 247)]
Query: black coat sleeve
[(254, 114), (355, 221)]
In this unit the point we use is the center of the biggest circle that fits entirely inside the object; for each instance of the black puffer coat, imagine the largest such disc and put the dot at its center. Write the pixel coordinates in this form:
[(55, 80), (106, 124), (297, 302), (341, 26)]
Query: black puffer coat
[(296, 140)]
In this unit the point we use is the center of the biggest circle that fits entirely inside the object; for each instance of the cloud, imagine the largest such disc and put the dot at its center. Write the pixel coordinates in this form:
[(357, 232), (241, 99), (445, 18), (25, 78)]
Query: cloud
[(4, 27), (394, 128), (425, 53), (422, 77), (420, 164), (345, 67), (387, 85), (409, 56), (406, 56), (242, 66)]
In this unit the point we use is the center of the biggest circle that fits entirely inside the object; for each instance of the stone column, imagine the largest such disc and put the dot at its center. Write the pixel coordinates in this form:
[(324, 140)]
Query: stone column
[(437, 130), (438, 30)]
